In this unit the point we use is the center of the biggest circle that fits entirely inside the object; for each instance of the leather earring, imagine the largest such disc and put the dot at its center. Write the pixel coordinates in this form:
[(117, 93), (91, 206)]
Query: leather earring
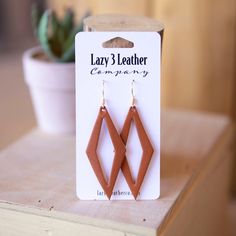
[(133, 116), (119, 149)]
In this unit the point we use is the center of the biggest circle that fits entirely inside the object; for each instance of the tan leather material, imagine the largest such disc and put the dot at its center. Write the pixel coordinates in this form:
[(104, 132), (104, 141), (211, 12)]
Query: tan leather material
[(119, 151), (147, 148)]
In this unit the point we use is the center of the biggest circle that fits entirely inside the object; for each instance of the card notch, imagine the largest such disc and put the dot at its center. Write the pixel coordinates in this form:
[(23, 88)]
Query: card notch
[(118, 42)]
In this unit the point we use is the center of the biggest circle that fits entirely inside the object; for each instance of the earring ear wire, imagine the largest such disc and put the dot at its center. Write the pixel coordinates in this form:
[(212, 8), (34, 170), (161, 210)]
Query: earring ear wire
[(132, 93), (103, 94)]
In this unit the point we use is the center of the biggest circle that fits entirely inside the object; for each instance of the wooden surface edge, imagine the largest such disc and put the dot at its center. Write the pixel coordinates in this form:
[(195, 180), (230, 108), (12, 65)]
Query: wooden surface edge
[(214, 155), (12, 144), (79, 219)]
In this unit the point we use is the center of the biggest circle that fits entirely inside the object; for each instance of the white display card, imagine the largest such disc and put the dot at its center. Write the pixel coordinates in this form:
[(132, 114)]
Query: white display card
[(117, 67)]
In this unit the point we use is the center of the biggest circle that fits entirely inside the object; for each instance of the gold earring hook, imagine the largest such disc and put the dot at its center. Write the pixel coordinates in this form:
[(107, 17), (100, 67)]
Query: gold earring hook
[(132, 93), (103, 94)]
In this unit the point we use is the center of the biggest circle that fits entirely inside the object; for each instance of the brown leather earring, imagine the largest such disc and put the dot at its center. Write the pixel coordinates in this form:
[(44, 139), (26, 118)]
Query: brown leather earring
[(119, 149), (147, 148)]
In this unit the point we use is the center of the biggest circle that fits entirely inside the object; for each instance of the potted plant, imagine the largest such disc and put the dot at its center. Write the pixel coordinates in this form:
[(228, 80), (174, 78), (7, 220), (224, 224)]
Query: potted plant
[(49, 70)]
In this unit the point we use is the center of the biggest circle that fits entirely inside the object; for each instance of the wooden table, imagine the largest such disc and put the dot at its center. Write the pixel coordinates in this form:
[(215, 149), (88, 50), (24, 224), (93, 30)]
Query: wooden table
[(37, 185)]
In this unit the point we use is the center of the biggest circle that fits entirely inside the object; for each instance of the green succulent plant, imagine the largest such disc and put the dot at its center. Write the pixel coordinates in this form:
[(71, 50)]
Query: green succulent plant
[(56, 36)]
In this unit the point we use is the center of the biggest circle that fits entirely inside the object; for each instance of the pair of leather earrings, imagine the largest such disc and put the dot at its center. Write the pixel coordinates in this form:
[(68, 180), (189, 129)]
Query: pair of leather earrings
[(119, 142)]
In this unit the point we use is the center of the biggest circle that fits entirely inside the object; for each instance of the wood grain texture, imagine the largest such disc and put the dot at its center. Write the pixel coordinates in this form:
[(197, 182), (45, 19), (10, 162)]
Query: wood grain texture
[(205, 202), (41, 183), (131, 7), (198, 53), (118, 22)]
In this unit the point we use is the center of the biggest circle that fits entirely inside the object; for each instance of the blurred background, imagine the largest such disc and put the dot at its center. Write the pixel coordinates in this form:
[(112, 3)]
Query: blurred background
[(198, 66)]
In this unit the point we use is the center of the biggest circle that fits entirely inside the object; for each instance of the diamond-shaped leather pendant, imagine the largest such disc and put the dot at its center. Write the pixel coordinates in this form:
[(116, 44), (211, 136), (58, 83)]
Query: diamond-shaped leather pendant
[(147, 148), (119, 151)]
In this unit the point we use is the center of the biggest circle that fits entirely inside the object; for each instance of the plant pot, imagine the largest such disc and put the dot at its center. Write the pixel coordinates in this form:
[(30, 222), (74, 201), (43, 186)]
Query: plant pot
[(52, 89)]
